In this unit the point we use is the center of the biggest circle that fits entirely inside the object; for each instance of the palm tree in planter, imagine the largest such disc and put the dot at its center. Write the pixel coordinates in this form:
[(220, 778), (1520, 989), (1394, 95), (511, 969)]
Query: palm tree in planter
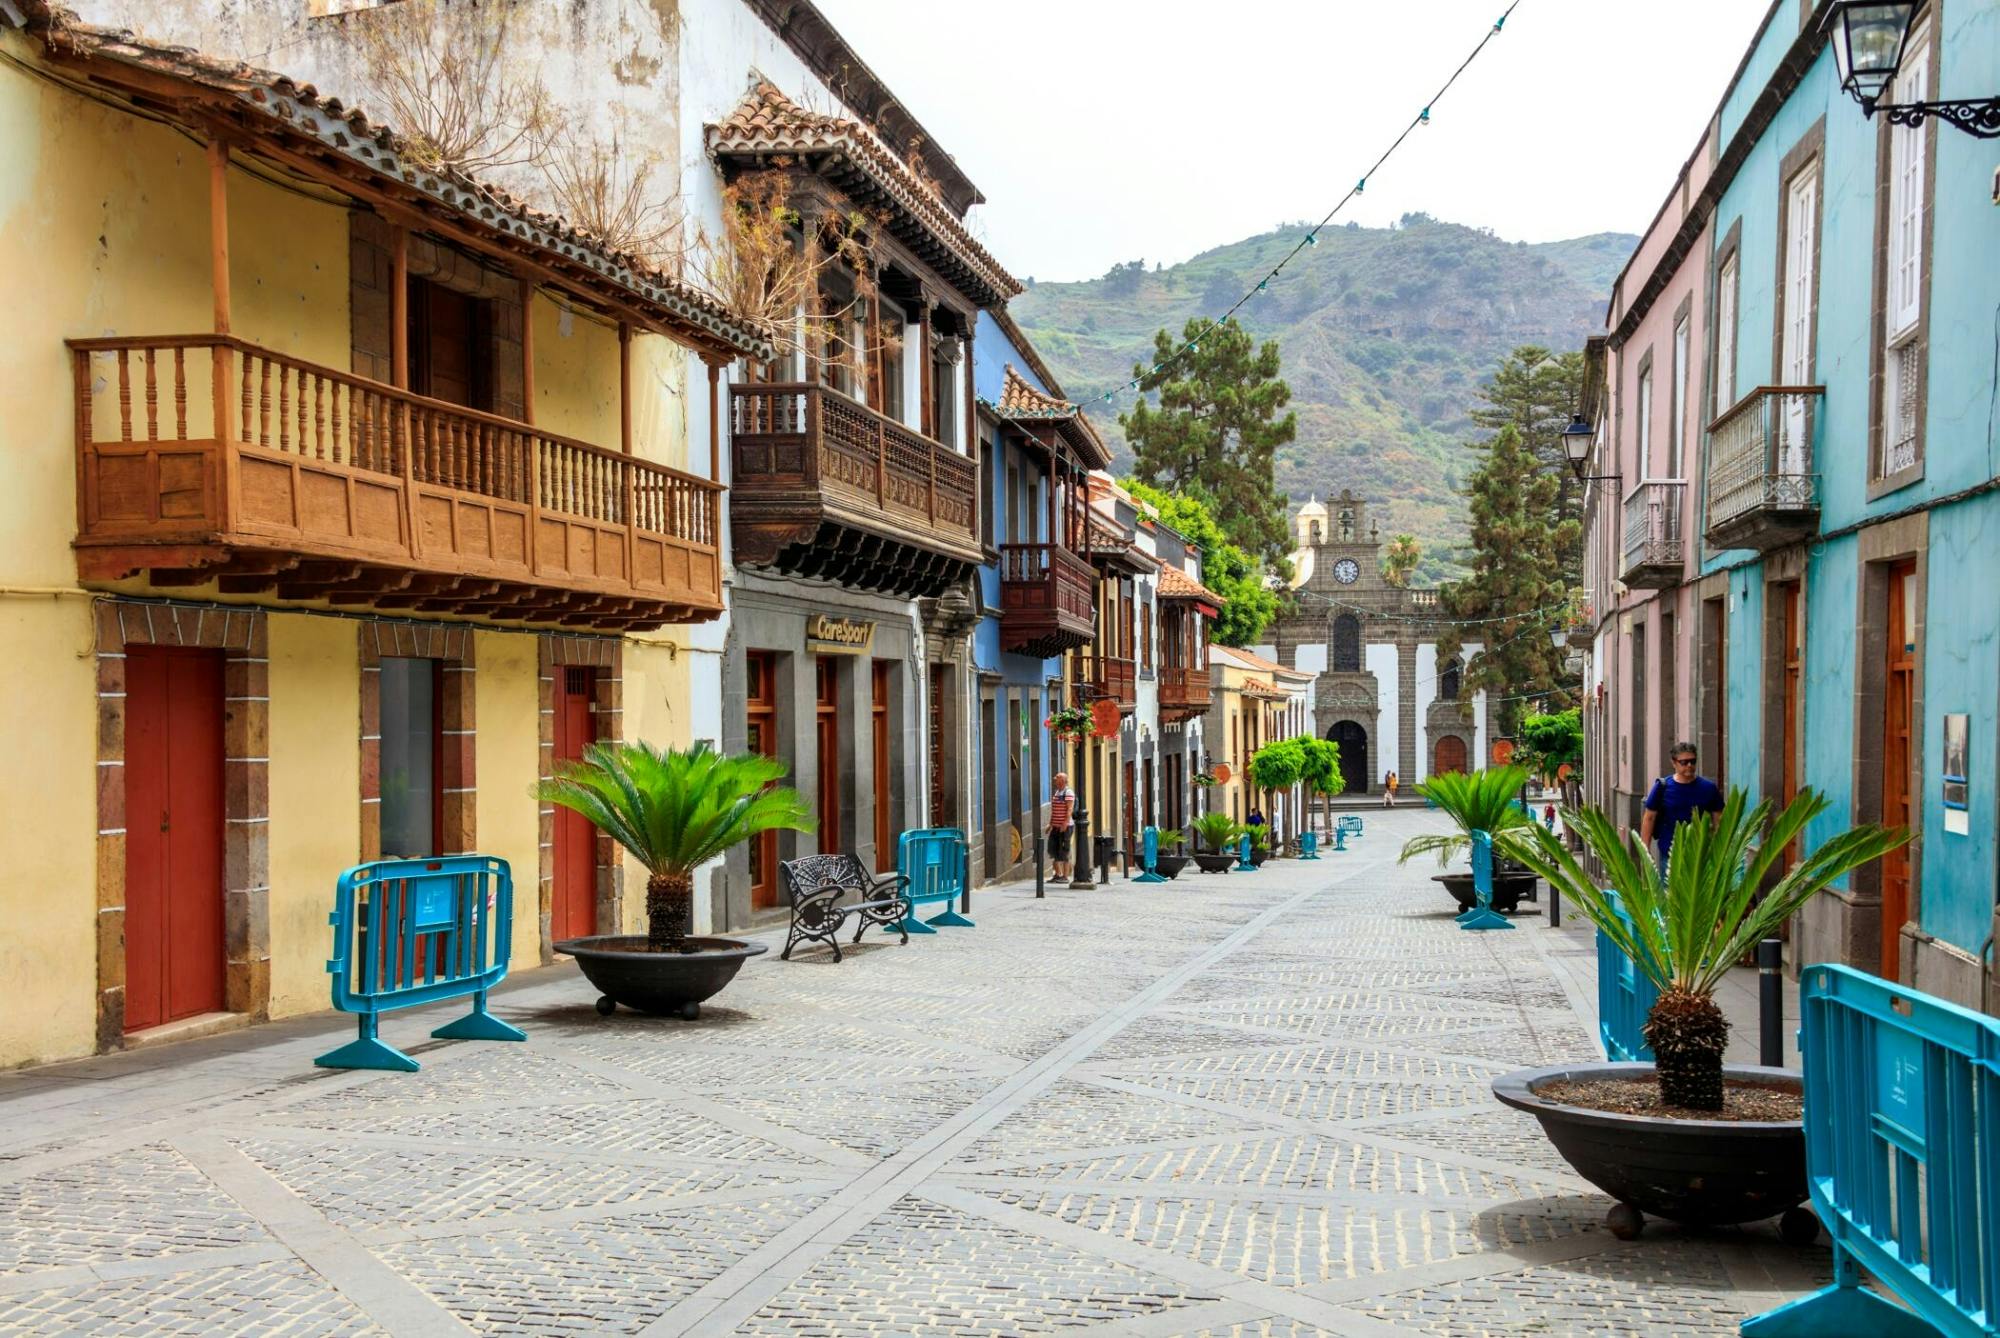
[(1216, 830), (674, 810), (1690, 925), (1482, 801)]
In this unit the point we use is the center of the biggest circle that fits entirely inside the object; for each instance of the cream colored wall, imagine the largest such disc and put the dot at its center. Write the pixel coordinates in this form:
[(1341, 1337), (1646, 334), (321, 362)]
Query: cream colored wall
[(288, 270), (315, 782), (576, 373), (48, 883), (507, 710), (656, 712)]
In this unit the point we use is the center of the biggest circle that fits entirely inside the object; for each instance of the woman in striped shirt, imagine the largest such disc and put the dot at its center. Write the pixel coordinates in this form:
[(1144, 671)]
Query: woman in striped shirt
[(1062, 807)]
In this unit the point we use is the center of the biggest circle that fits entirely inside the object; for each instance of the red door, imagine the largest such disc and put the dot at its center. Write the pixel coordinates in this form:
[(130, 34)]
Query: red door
[(1898, 803), (761, 716), (173, 843), (573, 903)]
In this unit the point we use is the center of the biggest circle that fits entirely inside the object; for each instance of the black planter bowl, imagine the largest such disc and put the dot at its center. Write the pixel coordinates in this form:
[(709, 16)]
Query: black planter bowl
[(1169, 866), (1509, 889), (1696, 1172), (1215, 863), (666, 983), (1257, 858)]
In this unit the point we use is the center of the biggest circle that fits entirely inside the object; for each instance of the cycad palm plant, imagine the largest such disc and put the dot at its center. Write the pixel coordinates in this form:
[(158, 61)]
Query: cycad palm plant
[(1480, 802), (675, 810), (1690, 925), (1216, 829)]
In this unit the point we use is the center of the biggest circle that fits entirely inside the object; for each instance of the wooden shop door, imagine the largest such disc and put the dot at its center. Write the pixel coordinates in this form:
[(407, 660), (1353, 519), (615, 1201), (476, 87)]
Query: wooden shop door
[(761, 715), (173, 846), (573, 904), (885, 824), (1898, 804)]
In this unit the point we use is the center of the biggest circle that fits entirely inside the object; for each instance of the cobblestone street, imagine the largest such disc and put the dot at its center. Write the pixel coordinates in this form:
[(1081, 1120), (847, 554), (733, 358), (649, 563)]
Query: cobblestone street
[(1242, 1105)]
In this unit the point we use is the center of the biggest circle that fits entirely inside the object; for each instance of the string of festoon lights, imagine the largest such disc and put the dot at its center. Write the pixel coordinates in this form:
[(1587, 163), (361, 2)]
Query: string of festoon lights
[(1310, 238)]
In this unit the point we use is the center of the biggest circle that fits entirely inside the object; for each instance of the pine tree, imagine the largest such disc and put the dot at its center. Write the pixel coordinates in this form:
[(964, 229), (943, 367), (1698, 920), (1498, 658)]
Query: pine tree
[(1215, 431), (1518, 583), (1535, 391)]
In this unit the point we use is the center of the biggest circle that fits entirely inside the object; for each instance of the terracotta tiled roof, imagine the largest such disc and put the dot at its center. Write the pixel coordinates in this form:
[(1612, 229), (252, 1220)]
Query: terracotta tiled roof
[(1244, 659), (1177, 584), (279, 108), (769, 124), (1257, 687), (1020, 399)]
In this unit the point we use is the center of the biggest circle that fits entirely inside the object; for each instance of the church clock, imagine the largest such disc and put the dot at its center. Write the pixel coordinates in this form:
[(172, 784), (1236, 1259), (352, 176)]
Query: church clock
[(1346, 571)]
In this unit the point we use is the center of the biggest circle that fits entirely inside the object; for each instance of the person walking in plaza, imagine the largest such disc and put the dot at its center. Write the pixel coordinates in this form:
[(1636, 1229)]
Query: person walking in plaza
[(1674, 799), (1389, 790), (1062, 818)]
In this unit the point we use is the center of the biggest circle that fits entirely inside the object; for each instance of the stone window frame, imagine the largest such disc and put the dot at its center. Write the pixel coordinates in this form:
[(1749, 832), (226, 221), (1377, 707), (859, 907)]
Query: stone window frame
[(452, 644), (605, 657), (1679, 445), (243, 636), (1728, 250), (1643, 408), (1808, 153), (1880, 484)]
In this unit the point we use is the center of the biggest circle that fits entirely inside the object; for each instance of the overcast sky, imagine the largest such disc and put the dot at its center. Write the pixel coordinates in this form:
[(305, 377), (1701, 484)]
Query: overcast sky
[(1109, 130)]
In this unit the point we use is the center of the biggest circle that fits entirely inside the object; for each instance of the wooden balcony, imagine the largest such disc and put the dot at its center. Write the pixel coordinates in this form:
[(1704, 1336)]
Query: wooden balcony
[(824, 486), (1048, 600), (203, 457), (1184, 693), (1763, 492), (1654, 551), (1110, 676)]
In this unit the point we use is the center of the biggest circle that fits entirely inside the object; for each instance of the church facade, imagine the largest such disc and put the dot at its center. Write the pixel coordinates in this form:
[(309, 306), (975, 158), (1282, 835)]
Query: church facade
[(1383, 693)]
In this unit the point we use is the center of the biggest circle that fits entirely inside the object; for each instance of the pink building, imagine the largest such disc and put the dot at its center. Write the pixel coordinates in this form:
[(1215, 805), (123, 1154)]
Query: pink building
[(1644, 392)]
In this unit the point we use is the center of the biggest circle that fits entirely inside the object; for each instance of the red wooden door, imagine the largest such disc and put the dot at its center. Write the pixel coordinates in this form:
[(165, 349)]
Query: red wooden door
[(1448, 756), (573, 903), (826, 716), (761, 717), (1898, 803), (173, 844), (885, 816)]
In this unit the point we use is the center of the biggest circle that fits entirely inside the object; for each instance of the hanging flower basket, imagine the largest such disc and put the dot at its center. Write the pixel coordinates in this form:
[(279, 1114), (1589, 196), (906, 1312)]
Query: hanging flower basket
[(1068, 722)]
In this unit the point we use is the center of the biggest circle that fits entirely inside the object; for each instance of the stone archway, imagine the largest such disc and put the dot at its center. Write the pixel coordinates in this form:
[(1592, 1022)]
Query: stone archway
[(1353, 740)]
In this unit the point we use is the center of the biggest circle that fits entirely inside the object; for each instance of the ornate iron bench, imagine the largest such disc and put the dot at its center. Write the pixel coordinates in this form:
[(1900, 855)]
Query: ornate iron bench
[(816, 885)]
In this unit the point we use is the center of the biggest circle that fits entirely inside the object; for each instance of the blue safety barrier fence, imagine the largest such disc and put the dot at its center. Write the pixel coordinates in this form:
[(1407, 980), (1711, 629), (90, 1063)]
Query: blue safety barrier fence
[(1349, 822), (1483, 916), (1625, 996), (1149, 857), (934, 861), (1902, 1123), (408, 932), (1309, 845)]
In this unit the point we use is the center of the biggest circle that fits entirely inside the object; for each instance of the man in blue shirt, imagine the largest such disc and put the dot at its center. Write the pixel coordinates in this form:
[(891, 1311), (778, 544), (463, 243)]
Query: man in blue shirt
[(1675, 799)]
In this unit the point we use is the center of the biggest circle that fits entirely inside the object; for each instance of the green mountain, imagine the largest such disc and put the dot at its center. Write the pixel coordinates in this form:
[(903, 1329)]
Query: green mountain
[(1386, 333)]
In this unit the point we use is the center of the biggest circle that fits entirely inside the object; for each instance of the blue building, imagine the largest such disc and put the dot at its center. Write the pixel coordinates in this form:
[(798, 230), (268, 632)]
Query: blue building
[(1038, 590), (1846, 634)]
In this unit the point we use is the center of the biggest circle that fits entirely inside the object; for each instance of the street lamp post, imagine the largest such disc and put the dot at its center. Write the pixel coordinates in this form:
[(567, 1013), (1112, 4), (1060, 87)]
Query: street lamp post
[(1868, 40)]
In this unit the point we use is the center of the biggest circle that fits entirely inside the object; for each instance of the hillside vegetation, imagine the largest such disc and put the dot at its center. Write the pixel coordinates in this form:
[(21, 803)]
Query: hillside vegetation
[(1387, 334)]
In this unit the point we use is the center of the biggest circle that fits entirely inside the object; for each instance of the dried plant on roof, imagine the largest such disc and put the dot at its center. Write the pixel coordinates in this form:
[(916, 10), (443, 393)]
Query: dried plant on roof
[(437, 67), (615, 196)]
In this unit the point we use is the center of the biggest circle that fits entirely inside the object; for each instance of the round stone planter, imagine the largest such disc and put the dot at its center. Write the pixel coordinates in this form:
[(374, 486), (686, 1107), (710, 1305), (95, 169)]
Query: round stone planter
[(666, 983), (1169, 866), (1257, 858), (1697, 1172), (1508, 890), (1215, 863)]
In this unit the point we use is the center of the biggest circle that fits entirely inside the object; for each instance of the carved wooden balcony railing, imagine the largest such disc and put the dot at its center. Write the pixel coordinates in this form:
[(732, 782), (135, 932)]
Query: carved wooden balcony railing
[(204, 457), (1762, 489), (1184, 693), (824, 486), (1048, 600), (1110, 676), (1654, 550)]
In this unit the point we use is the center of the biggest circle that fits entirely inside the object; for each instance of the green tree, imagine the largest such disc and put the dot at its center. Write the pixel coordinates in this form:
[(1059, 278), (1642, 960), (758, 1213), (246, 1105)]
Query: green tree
[(1519, 583), (1249, 604), (1278, 765), (1215, 431), (1550, 741), (1400, 559), (1535, 392), (1321, 772)]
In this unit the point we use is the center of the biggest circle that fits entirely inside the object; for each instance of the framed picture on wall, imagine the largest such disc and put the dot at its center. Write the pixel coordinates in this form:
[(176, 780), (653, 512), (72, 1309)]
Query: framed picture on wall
[(1957, 733)]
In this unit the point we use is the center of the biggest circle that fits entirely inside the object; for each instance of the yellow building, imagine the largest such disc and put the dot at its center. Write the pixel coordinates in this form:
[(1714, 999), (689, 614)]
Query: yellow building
[(1257, 701), (336, 511)]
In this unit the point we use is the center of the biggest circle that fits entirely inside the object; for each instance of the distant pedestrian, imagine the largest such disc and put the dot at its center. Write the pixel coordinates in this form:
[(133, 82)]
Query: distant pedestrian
[(1256, 818), (1676, 798), (1062, 821), (1549, 816), (1389, 783)]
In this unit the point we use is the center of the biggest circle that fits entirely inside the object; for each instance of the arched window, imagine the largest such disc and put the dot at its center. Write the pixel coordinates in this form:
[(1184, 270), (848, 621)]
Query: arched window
[(1347, 644), (1347, 524), (1448, 682), (1315, 533)]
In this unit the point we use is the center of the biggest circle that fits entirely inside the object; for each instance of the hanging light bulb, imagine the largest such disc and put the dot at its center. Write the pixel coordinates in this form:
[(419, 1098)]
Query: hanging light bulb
[(1361, 185), (1425, 119), (1312, 239)]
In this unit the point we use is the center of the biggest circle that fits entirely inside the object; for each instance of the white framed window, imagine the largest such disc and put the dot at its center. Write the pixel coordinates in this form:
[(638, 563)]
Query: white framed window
[(1796, 334), (1726, 284), (1677, 441), (1902, 360), (1644, 410)]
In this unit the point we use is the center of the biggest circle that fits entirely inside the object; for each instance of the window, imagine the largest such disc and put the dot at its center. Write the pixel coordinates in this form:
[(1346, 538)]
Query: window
[(1677, 440), (1448, 682), (1645, 421), (1146, 632), (1725, 335), (944, 392), (1347, 644), (987, 501), (1795, 334), (450, 345), (1902, 349), (412, 756)]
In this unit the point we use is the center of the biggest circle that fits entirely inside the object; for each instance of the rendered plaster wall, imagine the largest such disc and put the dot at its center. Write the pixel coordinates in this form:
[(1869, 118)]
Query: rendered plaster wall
[(48, 956), (1427, 690), (507, 766), (1745, 689), (1385, 748), (658, 695)]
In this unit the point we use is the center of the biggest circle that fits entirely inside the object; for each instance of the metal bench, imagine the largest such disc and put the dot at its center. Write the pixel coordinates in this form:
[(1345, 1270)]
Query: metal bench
[(816, 885)]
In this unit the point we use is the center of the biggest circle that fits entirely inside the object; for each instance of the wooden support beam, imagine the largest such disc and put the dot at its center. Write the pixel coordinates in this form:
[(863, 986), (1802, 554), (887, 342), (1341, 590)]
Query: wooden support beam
[(715, 421)]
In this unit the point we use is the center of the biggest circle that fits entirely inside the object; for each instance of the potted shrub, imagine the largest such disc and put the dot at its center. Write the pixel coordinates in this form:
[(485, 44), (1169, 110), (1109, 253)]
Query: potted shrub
[(674, 810), (1170, 861), (1480, 802), (1687, 1137), (1217, 831), (1260, 842)]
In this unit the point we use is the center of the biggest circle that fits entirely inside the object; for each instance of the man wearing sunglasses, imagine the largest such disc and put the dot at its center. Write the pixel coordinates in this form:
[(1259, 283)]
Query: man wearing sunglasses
[(1676, 798)]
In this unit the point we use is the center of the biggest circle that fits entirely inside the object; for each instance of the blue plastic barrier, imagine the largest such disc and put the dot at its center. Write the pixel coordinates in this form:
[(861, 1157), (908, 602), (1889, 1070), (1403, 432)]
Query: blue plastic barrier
[(414, 931), (1309, 845), (1149, 857), (1624, 997), (933, 859), (1339, 837), (1483, 916), (1243, 864), (1902, 1122), (1350, 822)]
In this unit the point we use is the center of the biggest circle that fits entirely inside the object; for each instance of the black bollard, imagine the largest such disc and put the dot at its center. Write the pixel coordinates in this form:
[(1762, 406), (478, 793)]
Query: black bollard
[(1555, 906), (1771, 1003), (1041, 846)]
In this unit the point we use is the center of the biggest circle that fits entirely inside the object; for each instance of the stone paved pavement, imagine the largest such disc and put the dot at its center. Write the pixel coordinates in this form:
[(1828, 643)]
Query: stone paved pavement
[(1242, 1105)]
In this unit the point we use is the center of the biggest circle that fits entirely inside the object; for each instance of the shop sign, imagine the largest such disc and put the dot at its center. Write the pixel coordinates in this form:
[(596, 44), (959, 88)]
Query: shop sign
[(839, 636)]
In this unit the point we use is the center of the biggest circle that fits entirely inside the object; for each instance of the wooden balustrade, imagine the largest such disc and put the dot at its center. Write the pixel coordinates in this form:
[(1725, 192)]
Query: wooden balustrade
[(1184, 692), (1048, 599), (266, 459), (1113, 676)]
